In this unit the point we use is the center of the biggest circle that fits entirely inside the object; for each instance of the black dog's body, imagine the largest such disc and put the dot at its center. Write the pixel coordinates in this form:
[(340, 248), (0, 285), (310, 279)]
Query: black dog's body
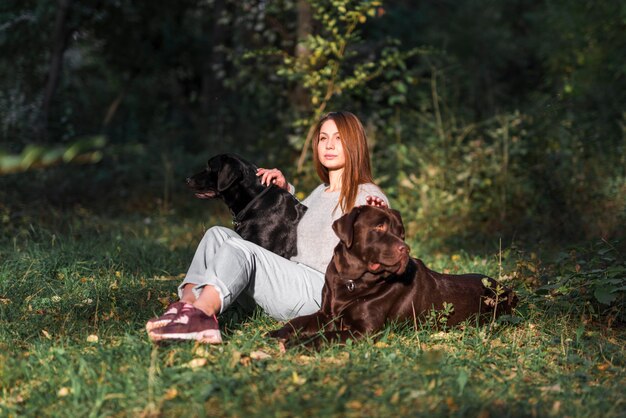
[(266, 216)]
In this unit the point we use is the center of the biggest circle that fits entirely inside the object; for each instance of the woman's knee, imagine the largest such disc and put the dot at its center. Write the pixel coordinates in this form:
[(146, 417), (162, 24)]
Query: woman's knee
[(218, 232)]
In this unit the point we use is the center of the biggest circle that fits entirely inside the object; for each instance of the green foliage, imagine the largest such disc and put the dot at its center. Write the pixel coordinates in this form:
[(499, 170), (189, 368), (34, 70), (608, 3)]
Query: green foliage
[(334, 62), (589, 280), (38, 156), (438, 319)]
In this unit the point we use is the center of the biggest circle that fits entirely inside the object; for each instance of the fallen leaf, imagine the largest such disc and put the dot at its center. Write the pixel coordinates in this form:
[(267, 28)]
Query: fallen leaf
[(46, 334), (201, 351), (234, 360), (170, 394), (304, 359), (354, 405), (483, 414), (92, 338), (297, 380), (259, 355), (197, 362), (64, 391), (553, 388), (452, 404)]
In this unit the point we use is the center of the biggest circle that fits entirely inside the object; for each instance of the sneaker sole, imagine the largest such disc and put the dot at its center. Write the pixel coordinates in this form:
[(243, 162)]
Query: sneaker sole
[(209, 336)]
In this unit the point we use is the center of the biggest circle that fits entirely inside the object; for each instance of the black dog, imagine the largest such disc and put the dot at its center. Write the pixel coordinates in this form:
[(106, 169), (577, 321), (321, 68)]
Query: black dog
[(372, 279), (267, 216)]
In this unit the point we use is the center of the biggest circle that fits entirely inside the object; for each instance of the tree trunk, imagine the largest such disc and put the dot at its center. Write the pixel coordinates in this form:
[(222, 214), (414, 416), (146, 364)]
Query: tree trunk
[(210, 84), (299, 96), (60, 39), (115, 104)]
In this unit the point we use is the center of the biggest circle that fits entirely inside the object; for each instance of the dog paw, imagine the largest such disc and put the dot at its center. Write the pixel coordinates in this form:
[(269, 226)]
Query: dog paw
[(280, 334)]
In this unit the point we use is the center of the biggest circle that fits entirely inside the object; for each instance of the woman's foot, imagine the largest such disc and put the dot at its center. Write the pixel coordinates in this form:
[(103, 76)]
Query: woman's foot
[(190, 323), (170, 313)]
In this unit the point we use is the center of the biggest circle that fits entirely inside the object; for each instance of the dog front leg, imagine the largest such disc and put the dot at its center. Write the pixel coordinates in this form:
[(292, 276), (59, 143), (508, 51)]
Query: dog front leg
[(318, 340), (358, 330), (301, 326)]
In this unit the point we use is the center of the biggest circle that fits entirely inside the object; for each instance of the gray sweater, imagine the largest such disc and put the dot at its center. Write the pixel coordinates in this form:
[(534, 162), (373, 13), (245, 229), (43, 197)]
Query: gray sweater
[(316, 238)]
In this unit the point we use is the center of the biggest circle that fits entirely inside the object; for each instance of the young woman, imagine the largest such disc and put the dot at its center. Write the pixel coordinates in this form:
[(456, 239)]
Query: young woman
[(225, 267)]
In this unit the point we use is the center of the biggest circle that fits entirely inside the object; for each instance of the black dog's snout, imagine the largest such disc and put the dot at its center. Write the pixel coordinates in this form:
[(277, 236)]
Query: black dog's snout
[(188, 180)]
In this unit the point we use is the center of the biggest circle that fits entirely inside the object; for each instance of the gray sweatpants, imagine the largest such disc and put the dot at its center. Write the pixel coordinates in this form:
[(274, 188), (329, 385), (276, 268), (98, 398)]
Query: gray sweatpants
[(283, 288)]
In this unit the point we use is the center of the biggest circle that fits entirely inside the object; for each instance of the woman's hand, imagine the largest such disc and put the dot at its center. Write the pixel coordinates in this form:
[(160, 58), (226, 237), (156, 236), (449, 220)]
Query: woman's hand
[(375, 201), (272, 176)]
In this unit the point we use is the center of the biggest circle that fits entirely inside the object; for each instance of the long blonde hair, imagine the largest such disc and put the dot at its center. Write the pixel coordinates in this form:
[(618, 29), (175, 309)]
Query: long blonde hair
[(358, 168)]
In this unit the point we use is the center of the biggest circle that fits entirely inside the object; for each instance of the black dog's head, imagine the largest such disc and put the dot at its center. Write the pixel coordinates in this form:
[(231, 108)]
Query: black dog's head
[(222, 172), (371, 240)]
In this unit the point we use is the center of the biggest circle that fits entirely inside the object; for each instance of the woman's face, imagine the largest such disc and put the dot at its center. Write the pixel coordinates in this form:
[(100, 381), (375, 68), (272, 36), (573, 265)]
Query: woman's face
[(330, 147)]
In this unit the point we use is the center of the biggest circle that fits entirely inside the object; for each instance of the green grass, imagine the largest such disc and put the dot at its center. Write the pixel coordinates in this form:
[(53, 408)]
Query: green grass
[(76, 290)]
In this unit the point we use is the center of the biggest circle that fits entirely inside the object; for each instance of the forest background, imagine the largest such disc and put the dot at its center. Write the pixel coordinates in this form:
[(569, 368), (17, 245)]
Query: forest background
[(486, 118)]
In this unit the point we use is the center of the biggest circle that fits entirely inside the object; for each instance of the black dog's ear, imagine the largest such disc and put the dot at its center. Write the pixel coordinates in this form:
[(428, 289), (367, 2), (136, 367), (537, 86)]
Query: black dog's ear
[(215, 163), (344, 226), (227, 174), (396, 226)]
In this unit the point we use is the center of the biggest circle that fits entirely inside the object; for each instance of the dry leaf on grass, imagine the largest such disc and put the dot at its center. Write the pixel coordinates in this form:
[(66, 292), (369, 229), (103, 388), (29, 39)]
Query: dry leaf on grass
[(64, 391), (297, 379), (196, 363), (553, 388), (259, 355), (170, 394)]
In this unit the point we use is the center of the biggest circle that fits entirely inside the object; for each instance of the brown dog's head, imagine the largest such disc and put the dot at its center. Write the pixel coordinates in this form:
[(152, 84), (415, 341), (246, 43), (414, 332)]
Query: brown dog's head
[(371, 240)]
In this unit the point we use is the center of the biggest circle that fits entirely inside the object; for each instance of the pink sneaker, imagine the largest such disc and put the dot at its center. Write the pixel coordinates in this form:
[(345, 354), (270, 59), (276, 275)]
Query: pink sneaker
[(190, 324), (170, 313)]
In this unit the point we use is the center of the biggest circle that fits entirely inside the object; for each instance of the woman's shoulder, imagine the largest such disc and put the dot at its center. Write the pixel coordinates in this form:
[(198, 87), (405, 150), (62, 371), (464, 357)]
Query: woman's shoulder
[(370, 189)]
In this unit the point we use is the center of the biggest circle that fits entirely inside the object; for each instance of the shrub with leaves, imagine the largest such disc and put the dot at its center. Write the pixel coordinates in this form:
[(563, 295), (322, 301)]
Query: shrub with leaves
[(590, 281)]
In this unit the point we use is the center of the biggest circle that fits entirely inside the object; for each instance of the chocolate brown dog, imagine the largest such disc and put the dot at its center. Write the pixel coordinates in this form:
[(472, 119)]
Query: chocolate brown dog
[(372, 279)]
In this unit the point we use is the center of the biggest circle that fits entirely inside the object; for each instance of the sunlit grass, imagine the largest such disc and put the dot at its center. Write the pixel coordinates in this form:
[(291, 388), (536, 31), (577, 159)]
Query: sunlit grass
[(74, 298)]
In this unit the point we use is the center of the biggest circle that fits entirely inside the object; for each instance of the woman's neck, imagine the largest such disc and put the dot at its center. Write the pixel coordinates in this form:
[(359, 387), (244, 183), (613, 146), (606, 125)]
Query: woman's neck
[(334, 179)]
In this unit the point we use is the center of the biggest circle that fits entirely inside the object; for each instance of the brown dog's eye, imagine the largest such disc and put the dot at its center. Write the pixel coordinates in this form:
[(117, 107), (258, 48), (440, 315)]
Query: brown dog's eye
[(380, 227)]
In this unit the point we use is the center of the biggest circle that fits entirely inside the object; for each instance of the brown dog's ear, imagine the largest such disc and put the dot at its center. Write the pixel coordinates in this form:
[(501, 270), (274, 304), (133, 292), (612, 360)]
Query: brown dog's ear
[(344, 226), (396, 226)]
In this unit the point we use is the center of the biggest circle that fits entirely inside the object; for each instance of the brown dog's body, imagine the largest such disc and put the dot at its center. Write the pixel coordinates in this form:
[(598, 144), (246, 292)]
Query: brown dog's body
[(371, 279)]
